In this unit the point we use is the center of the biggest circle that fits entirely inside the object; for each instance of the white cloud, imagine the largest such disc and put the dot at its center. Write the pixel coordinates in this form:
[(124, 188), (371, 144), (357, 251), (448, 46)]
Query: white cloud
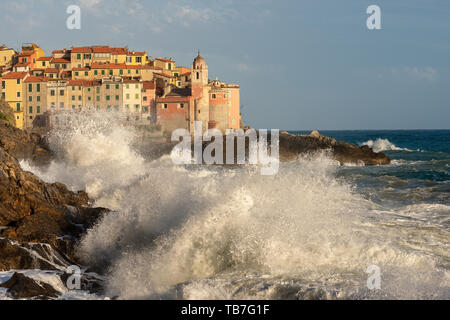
[(416, 73)]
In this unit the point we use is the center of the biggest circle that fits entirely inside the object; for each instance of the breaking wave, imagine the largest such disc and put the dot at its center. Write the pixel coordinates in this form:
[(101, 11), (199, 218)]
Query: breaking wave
[(380, 145), (199, 232)]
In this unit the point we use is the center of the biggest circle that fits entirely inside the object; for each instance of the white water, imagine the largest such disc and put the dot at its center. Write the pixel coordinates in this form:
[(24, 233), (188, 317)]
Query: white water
[(380, 145), (217, 233)]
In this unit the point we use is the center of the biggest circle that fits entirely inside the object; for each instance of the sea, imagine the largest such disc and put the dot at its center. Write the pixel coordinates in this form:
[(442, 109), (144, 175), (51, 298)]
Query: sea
[(315, 230)]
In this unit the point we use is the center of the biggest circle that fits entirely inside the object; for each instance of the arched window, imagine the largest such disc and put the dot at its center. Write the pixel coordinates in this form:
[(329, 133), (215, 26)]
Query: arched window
[(198, 75)]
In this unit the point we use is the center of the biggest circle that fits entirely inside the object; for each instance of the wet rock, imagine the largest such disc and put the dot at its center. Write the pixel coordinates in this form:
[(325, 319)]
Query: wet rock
[(291, 146), (21, 287)]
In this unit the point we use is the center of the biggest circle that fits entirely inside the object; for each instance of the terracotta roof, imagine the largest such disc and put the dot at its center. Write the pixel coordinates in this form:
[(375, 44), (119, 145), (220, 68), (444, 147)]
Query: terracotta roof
[(51, 70), (102, 50), (149, 85), (135, 53), (81, 49), (15, 75), (26, 54), (45, 59), (164, 60), (60, 60), (23, 64), (36, 79), (76, 83), (80, 69), (119, 51)]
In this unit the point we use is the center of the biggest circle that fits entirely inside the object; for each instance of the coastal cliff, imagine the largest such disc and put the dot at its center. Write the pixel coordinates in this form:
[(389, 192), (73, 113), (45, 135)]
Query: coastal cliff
[(39, 222)]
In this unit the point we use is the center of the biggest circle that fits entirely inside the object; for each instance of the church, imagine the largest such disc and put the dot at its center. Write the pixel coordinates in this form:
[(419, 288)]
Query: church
[(214, 103)]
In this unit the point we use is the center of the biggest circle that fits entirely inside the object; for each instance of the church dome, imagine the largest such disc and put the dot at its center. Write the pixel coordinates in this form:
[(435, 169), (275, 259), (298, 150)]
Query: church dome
[(199, 62)]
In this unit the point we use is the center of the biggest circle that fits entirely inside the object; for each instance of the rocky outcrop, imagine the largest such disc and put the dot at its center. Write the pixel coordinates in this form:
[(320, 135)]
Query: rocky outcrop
[(291, 146), (6, 113), (23, 145), (21, 287), (40, 222)]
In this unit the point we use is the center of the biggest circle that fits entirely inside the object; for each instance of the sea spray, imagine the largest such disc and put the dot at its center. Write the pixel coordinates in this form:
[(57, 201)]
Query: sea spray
[(219, 233)]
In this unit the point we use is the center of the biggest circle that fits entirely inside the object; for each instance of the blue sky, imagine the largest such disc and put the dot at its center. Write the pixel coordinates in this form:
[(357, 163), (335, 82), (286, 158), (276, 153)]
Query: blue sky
[(304, 64)]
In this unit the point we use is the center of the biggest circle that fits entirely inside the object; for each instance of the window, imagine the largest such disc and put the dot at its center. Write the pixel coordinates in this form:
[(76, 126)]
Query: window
[(128, 96), (77, 73), (73, 98), (18, 81), (198, 75), (136, 96), (89, 98), (38, 98), (165, 105), (117, 86), (79, 98), (3, 84), (213, 95), (73, 107), (52, 93), (107, 87), (78, 56), (137, 107), (225, 96), (30, 87), (98, 98), (108, 98), (30, 98), (138, 59), (95, 72), (181, 105), (145, 98), (86, 73), (117, 97), (110, 72), (121, 72), (136, 86), (128, 86), (18, 107), (103, 72), (38, 109), (18, 94), (64, 66), (61, 92), (73, 88), (98, 89)]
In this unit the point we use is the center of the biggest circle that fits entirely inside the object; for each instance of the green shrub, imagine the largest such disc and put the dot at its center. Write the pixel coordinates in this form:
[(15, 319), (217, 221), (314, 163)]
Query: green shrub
[(3, 117)]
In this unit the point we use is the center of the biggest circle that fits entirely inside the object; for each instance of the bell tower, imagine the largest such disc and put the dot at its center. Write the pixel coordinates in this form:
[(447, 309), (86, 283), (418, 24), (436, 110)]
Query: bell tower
[(200, 92), (199, 76)]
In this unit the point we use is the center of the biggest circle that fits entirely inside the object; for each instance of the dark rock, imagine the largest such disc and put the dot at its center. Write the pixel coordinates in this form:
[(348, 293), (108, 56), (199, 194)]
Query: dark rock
[(17, 256), (291, 146), (21, 286)]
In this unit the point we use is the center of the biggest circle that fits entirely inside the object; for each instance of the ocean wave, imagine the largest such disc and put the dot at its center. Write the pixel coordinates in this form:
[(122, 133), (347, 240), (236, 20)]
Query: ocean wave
[(380, 145), (188, 232)]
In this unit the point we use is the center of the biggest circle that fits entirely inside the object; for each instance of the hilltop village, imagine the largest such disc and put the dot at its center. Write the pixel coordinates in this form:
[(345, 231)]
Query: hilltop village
[(147, 92)]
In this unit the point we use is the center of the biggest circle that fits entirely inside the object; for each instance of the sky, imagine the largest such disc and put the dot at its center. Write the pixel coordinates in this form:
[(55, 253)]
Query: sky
[(301, 64)]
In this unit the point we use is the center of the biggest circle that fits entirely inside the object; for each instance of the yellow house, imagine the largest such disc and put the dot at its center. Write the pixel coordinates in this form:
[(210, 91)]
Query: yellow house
[(13, 91), (119, 55), (136, 58), (43, 62), (7, 56)]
